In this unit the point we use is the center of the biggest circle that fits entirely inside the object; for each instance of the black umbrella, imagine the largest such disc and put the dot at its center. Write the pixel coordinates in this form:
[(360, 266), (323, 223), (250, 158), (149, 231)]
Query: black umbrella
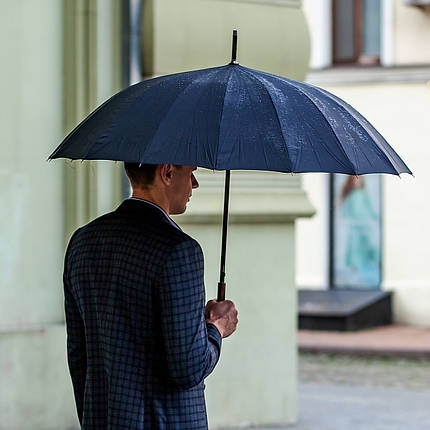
[(232, 117)]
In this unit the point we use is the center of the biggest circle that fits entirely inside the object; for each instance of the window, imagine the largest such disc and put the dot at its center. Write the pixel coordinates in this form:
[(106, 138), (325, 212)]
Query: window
[(355, 229), (356, 32)]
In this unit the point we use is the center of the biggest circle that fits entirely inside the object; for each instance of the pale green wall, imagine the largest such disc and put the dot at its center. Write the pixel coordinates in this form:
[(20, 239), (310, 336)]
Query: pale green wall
[(194, 34), (34, 389), (255, 381), (60, 60), (31, 123)]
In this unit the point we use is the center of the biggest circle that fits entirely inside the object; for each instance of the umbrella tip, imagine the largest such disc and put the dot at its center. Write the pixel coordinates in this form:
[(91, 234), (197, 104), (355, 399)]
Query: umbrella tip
[(234, 48)]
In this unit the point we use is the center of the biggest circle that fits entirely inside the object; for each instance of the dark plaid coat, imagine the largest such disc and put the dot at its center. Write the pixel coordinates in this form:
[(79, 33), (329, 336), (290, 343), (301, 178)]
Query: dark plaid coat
[(138, 345)]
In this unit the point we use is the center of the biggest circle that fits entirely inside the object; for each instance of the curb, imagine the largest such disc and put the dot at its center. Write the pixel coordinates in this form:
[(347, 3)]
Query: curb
[(421, 354)]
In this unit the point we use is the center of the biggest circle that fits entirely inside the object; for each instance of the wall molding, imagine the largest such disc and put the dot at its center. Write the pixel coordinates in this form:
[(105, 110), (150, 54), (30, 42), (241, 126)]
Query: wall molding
[(255, 198), (296, 4)]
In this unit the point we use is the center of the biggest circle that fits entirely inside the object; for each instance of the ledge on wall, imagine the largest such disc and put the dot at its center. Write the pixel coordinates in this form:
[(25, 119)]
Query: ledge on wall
[(364, 75), (255, 197)]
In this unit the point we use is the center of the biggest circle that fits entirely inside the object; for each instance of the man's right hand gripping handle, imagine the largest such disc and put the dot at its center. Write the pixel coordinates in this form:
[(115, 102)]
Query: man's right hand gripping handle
[(223, 315)]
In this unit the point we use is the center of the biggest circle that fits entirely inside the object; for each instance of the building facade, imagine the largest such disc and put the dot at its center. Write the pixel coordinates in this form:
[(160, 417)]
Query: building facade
[(379, 63), (61, 60)]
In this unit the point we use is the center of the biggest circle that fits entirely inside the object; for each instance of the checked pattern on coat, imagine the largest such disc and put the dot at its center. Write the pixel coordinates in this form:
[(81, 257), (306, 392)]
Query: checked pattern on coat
[(137, 341)]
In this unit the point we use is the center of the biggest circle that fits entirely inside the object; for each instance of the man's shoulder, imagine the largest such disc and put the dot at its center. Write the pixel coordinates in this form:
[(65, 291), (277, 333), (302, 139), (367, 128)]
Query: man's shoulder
[(146, 224)]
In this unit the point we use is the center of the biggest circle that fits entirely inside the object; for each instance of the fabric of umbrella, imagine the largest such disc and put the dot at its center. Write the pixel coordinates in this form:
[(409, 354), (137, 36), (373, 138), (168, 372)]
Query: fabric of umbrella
[(232, 118)]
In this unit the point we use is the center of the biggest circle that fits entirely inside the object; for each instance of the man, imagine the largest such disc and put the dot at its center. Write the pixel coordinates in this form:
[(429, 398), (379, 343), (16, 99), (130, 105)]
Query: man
[(140, 340)]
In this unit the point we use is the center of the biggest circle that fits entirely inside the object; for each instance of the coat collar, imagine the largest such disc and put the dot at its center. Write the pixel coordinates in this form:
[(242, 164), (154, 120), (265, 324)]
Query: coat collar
[(147, 208)]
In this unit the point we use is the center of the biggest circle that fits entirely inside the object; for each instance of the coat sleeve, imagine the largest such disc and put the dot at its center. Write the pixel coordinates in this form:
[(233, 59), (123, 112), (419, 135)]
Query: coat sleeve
[(76, 346), (192, 347)]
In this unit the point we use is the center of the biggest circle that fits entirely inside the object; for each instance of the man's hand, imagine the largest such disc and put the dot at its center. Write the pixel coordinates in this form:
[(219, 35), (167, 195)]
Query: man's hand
[(223, 315)]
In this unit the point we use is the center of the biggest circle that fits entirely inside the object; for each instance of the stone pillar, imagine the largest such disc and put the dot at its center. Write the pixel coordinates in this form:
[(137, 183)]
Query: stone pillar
[(255, 382), (256, 379), (91, 57)]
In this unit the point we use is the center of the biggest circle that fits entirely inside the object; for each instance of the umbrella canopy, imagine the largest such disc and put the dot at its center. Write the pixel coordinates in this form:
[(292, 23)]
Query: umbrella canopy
[(232, 117)]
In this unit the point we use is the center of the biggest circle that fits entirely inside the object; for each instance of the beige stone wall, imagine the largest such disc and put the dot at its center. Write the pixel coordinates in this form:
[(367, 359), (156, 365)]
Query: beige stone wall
[(399, 111), (411, 34)]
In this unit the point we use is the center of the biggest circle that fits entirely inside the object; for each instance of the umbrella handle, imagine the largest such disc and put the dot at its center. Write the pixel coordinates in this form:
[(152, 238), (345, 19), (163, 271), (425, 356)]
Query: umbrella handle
[(221, 292)]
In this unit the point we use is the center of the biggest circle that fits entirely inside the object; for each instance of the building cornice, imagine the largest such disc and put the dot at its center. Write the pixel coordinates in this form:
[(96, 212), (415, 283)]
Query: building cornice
[(283, 3), (368, 75), (255, 197)]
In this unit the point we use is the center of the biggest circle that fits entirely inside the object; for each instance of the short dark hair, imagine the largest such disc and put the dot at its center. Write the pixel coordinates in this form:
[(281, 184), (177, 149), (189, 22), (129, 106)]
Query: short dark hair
[(141, 175)]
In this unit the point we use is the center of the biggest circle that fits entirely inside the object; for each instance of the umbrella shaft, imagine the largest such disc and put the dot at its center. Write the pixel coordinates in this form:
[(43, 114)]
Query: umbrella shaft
[(234, 47), (224, 226)]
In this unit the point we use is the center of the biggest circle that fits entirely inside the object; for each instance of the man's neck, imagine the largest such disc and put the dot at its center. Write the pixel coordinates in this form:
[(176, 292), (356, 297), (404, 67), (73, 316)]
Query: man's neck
[(152, 197)]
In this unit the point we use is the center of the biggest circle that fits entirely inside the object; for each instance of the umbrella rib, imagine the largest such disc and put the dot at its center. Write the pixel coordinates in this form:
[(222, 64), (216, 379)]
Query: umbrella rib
[(89, 146), (277, 115), (291, 82), (142, 156), (329, 126), (371, 131), (214, 70), (146, 84), (397, 165), (161, 81), (300, 148), (79, 126), (221, 118)]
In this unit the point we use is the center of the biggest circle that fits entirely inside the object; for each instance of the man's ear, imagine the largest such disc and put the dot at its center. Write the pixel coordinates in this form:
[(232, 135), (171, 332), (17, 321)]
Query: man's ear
[(166, 172)]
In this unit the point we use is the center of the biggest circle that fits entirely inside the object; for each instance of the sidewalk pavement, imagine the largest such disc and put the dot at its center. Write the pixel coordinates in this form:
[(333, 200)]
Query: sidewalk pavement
[(390, 341)]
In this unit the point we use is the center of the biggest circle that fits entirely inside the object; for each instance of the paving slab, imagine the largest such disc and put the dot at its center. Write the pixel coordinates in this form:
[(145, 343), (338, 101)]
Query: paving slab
[(332, 407), (341, 407)]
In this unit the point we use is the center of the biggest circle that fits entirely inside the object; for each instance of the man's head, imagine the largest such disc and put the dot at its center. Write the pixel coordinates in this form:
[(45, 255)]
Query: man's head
[(140, 175), (167, 185)]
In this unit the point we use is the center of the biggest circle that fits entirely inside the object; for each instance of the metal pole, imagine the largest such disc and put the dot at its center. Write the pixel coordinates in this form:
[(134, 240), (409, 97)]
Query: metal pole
[(234, 48), (131, 70), (331, 233), (221, 283)]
